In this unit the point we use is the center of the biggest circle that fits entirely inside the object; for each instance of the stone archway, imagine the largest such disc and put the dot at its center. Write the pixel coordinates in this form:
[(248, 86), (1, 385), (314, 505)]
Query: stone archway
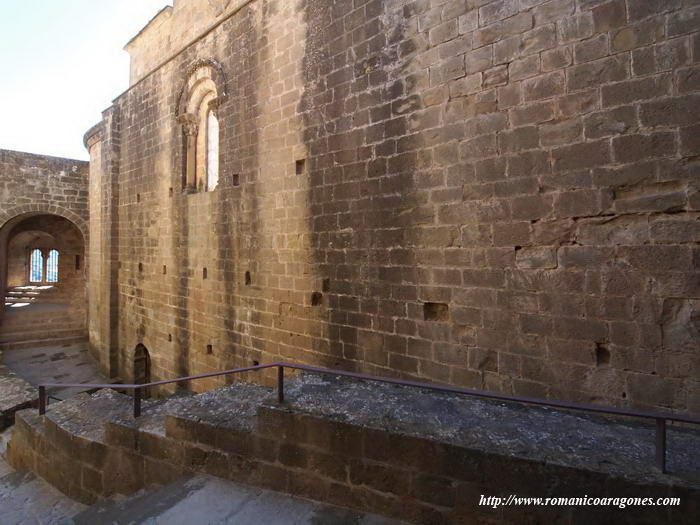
[(18, 217), (12, 216)]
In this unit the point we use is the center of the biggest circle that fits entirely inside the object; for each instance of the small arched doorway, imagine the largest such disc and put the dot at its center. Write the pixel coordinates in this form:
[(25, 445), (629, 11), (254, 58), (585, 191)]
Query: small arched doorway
[(142, 367)]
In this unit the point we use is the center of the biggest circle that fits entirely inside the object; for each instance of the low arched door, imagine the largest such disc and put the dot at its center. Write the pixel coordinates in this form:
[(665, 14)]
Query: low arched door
[(142, 367)]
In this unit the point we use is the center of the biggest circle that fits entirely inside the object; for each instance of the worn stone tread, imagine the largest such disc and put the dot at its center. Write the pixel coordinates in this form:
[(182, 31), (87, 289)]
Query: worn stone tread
[(26, 499), (205, 499), (85, 415), (14, 391)]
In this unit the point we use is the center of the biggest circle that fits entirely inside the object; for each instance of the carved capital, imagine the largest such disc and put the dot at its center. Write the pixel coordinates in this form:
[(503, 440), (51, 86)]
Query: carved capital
[(189, 123)]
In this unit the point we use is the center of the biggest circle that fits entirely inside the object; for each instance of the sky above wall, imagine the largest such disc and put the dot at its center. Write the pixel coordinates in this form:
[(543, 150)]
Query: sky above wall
[(62, 63)]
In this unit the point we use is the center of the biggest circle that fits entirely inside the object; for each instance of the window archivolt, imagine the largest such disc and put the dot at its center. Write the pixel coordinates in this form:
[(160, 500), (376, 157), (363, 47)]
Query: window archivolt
[(198, 115), (36, 266)]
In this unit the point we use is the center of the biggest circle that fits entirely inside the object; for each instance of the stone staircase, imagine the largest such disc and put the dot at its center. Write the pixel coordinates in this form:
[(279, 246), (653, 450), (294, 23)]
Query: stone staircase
[(36, 328), (16, 296), (394, 451)]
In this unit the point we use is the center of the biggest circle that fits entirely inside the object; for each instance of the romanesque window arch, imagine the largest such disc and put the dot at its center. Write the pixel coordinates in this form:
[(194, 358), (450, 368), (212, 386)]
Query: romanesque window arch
[(212, 150), (52, 267), (198, 109), (43, 266), (36, 266)]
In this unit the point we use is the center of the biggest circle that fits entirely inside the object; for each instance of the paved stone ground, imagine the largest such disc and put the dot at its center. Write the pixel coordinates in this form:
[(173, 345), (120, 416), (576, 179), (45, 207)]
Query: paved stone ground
[(14, 391), (55, 364)]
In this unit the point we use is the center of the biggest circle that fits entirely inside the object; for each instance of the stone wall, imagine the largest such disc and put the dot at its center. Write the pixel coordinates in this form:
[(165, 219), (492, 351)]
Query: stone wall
[(45, 184), (494, 194), (31, 182), (172, 29)]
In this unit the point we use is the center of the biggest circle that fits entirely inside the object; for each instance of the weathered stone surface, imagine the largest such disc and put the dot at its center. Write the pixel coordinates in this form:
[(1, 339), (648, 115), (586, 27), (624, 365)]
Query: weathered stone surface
[(15, 394), (536, 258)]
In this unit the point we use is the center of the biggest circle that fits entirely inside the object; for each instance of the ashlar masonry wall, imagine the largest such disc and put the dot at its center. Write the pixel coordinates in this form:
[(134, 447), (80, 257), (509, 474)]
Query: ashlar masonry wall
[(495, 194)]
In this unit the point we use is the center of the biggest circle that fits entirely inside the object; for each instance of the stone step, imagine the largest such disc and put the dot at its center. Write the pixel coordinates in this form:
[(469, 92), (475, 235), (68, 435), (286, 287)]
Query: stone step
[(19, 320), (20, 331), (40, 334), (27, 499), (232, 407), (206, 499), (35, 298), (83, 416), (9, 327), (37, 343), (36, 295), (38, 287)]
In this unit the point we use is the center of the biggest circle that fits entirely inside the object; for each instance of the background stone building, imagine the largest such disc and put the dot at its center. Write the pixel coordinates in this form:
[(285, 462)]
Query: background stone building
[(500, 195)]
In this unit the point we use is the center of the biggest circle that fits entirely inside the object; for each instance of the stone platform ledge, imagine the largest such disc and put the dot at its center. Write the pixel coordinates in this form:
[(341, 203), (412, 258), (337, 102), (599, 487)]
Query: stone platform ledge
[(15, 394), (418, 456)]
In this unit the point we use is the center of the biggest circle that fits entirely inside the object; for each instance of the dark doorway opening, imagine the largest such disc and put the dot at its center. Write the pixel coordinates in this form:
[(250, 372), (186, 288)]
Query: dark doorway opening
[(142, 368)]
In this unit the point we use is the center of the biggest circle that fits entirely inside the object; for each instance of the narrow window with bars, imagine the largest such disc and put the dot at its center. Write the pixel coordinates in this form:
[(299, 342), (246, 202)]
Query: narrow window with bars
[(52, 267), (36, 266)]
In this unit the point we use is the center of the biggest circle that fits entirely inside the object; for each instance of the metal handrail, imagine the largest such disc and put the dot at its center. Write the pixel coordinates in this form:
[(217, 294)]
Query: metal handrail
[(660, 418)]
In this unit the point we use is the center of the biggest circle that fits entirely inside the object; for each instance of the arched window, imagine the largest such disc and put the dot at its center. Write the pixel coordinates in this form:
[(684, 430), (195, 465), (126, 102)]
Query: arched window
[(197, 112), (52, 267), (36, 266)]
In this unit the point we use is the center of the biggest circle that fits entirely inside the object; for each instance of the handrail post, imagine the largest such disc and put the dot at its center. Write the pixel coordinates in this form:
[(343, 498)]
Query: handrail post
[(661, 444), (280, 384), (137, 402), (42, 400)]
